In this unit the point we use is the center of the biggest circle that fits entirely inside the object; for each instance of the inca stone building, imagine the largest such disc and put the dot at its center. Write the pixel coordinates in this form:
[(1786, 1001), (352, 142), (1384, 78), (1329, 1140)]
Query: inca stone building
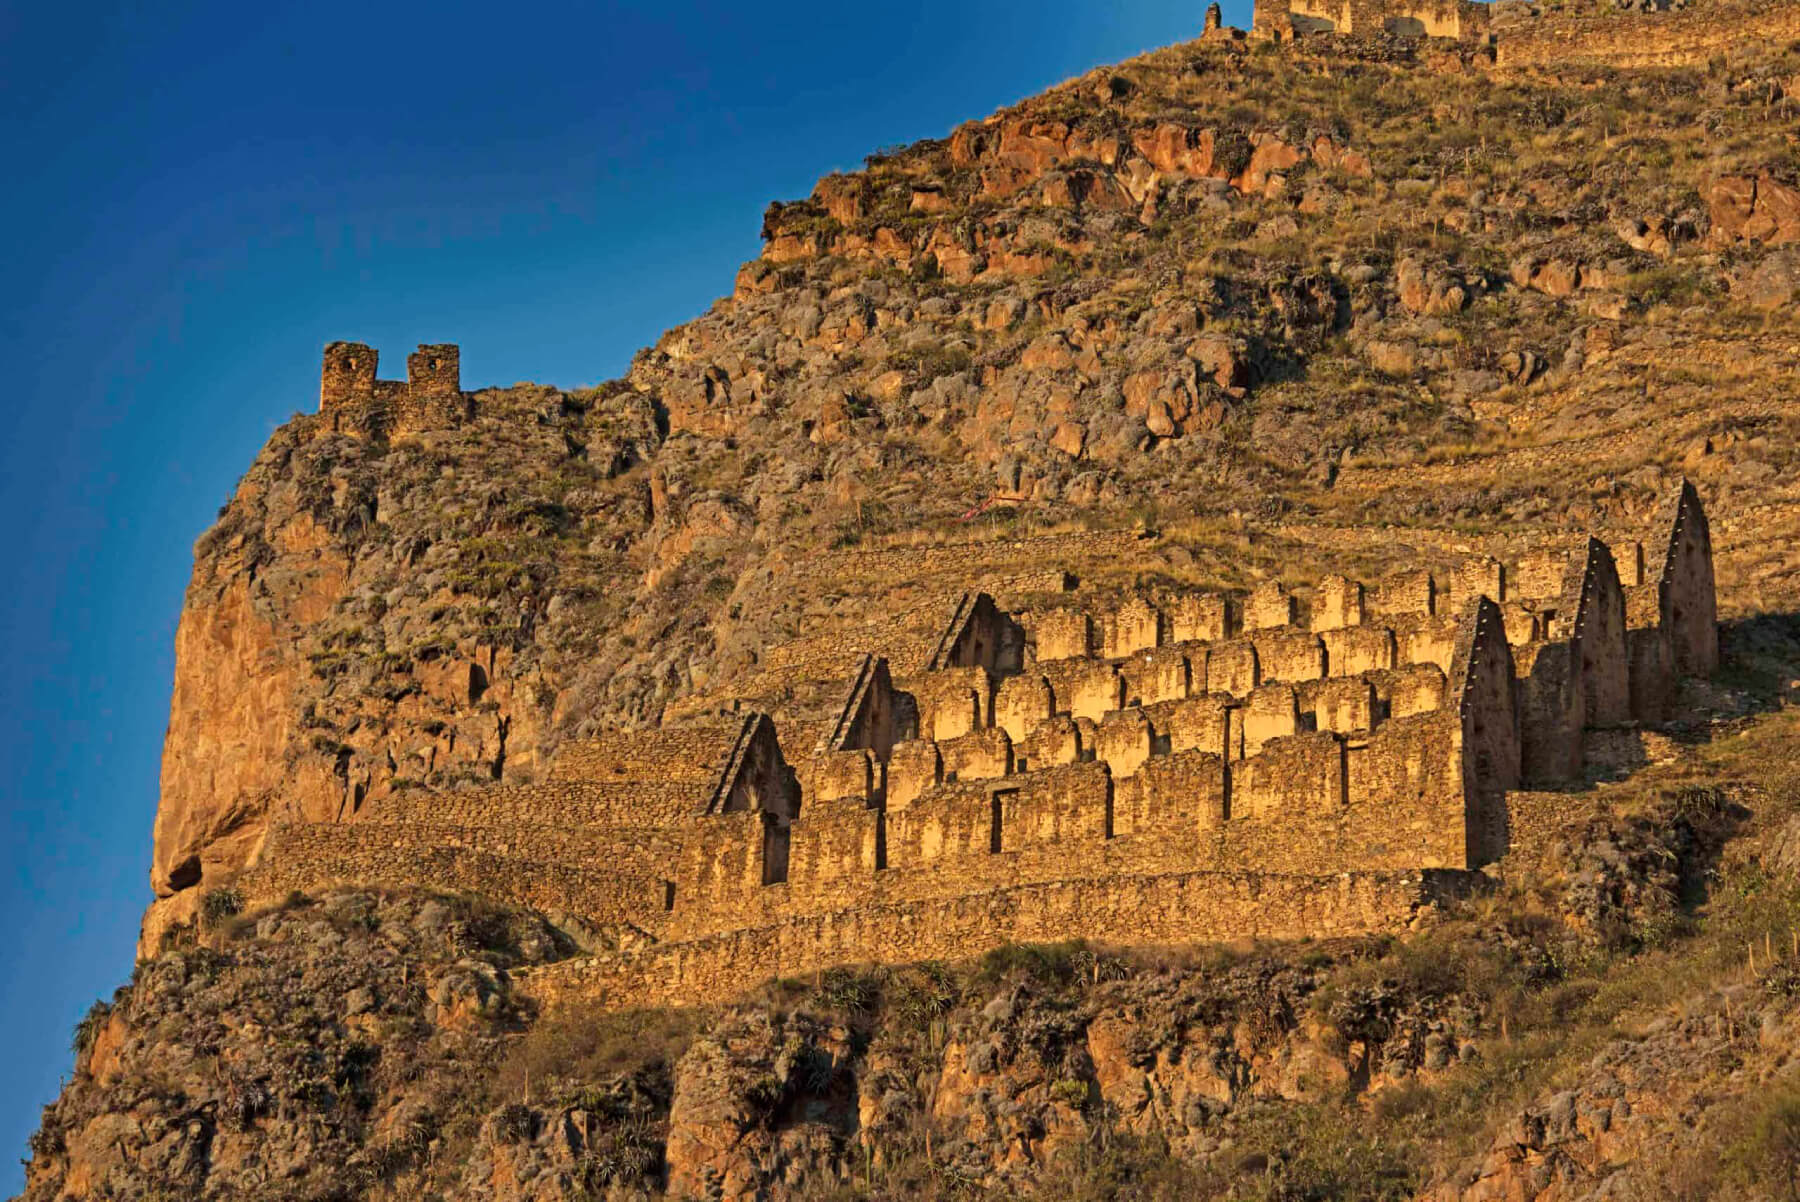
[(1200, 768)]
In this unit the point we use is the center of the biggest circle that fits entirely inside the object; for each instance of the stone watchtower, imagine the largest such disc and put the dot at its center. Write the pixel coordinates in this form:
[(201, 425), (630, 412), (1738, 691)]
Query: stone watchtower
[(348, 377), (357, 402)]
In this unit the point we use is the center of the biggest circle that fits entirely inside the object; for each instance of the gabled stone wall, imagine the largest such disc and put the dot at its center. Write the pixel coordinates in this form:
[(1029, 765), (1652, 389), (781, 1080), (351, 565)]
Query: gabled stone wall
[(1348, 730)]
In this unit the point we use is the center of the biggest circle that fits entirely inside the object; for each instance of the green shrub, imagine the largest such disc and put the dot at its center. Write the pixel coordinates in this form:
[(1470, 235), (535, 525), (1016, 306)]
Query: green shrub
[(852, 992), (220, 905), (89, 1027)]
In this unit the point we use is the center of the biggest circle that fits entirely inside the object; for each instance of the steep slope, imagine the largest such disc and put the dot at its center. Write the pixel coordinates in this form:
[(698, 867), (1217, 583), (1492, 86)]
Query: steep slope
[(1268, 302), (1263, 312)]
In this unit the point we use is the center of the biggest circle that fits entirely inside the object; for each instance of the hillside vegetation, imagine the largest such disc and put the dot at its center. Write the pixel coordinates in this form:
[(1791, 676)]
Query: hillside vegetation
[(1284, 310)]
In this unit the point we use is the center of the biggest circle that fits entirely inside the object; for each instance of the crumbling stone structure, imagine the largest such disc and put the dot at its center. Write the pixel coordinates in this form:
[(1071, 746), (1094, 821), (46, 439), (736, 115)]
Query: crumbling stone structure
[(355, 401), (1165, 768), (1285, 20)]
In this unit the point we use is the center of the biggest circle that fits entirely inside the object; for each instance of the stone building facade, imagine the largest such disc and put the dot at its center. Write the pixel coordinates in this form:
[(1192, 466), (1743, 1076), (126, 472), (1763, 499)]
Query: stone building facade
[(1179, 768), (1284, 20)]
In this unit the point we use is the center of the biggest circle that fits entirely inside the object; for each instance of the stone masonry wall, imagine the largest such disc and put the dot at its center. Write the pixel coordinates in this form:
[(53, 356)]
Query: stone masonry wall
[(1278, 749), (312, 855), (1173, 909), (1663, 39)]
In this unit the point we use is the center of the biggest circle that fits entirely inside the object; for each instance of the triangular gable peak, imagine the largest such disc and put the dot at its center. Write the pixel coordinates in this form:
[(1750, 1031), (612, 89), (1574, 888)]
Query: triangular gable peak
[(1483, 695), (868, 717), (1593, 608), (756, 777), (1685, 589), (977, 636)]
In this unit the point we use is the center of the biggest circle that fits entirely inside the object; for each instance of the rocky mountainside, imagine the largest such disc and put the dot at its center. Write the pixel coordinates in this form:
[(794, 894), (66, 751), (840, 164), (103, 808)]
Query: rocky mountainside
[(1332, 305), (1272, 303), (1619, 1018)]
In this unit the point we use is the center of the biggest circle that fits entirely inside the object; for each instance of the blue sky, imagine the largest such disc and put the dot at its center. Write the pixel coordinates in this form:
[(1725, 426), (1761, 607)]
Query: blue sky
[(203, 194)]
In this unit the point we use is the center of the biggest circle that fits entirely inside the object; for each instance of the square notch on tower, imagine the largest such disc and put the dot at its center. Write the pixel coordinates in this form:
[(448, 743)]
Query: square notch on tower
[(435, 370)]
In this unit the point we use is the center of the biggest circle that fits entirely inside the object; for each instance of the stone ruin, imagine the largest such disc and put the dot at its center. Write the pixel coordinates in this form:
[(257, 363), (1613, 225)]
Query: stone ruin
[(1284, 20), (1197, 768), (354, 402)]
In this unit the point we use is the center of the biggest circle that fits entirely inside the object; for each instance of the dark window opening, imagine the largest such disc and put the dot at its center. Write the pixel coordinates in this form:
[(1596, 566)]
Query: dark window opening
[(478, 683), (668, 896), (775, 851), (950, 777), (994, 827), (1308, 723)]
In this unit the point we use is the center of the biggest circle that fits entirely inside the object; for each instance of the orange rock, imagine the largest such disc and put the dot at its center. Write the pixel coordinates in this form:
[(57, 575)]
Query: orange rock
[(1177, 149), (789, 248), (1034, 147), (1002, 180), (1049, 353), (1270, 156), (1732, 202), (842, 197), (1069, 438), (1780, 205), (1223, 358), (968, 144), (1160, 419), (1558, 278), (1330, 156), (930, 199)]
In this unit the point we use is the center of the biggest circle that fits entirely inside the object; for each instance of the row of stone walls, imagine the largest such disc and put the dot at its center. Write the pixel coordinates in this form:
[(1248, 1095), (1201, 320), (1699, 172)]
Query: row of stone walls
[(1663, 39), (1171, 909), (1127, 739), (504, 867), (1307, 803), (1404, 777), (1338, 609), (1238, 664), (1286, 19), (1616, 643), (1138, 625)]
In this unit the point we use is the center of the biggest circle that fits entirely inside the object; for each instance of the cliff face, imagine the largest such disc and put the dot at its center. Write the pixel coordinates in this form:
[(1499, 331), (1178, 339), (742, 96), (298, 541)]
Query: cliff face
[(1325, 307), (367, 618)]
